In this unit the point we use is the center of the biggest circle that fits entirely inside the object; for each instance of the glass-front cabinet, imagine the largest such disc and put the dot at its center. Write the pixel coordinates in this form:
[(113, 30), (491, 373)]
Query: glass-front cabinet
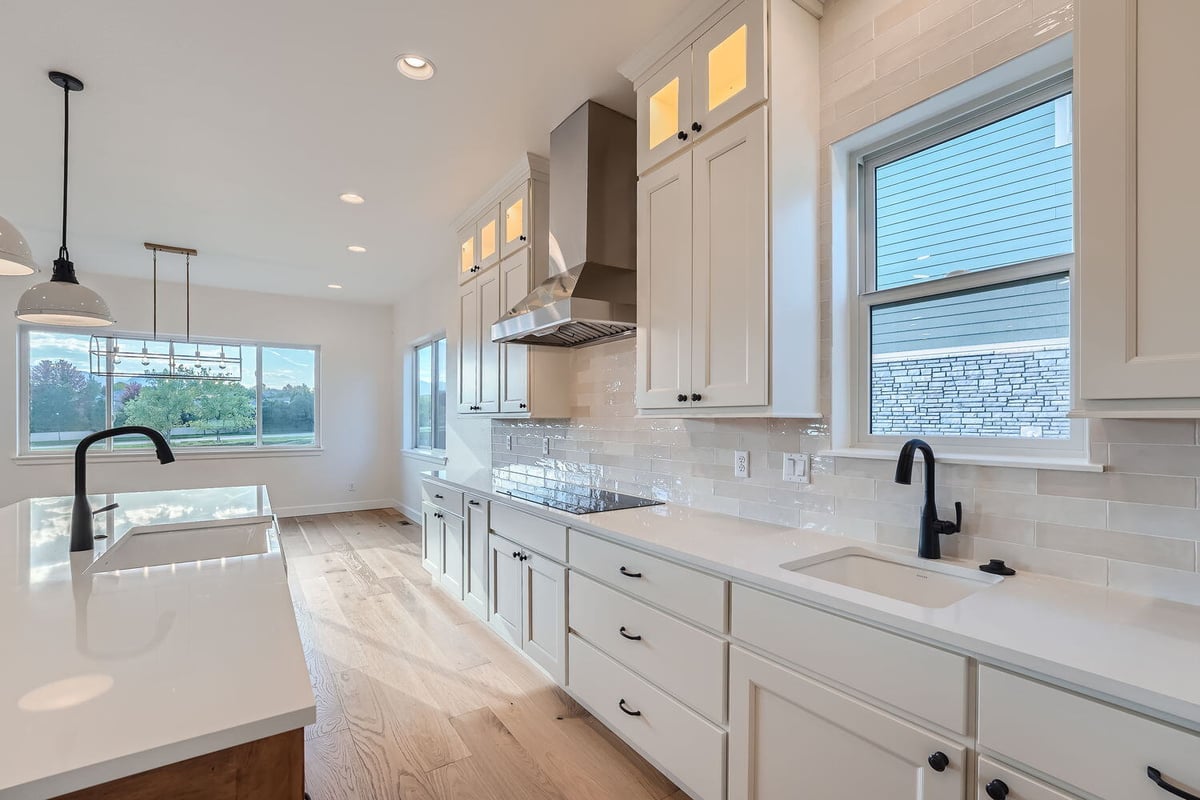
[(514, 220), (466, 254), (720, 75), (487, 234)]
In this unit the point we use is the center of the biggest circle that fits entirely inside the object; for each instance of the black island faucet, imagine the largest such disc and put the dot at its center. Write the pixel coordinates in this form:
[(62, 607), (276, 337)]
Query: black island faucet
[(929, 545), (81, 512)]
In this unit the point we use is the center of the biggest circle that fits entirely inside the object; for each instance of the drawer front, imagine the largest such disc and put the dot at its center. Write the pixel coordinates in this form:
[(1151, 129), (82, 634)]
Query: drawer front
[(913, 677), (690, 594), (445, 498), (1012, 784), (533, 532), (670, 653), (1085, 744), (684, 744)]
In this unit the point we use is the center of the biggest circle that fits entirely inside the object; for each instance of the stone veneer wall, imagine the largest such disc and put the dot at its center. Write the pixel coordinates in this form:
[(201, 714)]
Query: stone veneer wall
[(987, 393), (1134, 527)]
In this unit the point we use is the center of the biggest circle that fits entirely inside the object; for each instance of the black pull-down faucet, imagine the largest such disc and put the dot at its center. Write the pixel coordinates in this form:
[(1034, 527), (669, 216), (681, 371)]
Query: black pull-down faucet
[(81, 512), (929, 545)]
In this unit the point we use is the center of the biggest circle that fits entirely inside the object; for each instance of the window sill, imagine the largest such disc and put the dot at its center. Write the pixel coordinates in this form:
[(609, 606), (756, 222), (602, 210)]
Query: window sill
[(977, 459), (206, 454), (431, 456)]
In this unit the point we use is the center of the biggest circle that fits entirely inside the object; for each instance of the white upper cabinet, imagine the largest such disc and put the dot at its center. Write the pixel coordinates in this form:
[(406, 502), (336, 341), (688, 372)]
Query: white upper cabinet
[(487, 238), (728, 256), (466, 260), (468, 348), (729, 68), (514, 358), (488, 290), (665, 112), (718, 75), (1138, 339), (515, 217)]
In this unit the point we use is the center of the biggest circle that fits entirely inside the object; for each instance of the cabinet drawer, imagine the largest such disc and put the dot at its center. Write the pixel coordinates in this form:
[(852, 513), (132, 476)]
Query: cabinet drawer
[(535, 533), (686, 746), (688, 593), (445, 498), (686, 661), (1086, 744), (922, 680), (1018, 786)]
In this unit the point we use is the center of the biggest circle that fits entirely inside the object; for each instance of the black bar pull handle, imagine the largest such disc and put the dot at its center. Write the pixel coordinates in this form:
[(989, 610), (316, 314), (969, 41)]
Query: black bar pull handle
[(439, 497), (629, 636), (626, 709), (629, 574), (1156, 776)]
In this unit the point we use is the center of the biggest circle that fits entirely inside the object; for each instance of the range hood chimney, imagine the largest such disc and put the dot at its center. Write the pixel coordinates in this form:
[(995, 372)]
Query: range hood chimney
[(591, 293)]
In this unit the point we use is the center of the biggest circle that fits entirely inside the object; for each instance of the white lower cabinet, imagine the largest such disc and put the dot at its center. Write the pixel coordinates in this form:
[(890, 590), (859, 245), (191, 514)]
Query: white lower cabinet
[(453, 555), (528, 603), (683, 744), (475, 567), (431, 538), (791, 737), (994, 781)]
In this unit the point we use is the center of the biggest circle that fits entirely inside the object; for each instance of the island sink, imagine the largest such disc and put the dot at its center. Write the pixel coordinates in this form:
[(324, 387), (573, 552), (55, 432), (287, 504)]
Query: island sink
[(156, 545), (920, 583)]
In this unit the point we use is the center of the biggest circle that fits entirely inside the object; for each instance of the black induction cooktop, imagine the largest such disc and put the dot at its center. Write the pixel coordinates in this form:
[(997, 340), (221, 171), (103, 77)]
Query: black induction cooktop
[(579, 500)]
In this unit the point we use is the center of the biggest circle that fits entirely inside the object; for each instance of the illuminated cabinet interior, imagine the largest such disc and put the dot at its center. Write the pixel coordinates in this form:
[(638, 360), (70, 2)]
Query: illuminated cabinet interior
[(466, 253), (488, 237), (719, 76), (514, 220)]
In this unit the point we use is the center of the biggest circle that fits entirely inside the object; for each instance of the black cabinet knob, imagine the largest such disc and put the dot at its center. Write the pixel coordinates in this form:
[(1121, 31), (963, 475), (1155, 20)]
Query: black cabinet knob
[(524, 406), (697, 127), (516, 554), (524, 238), (939, 761), (683, 136), (695, 397), (682, 398), (997, 789)]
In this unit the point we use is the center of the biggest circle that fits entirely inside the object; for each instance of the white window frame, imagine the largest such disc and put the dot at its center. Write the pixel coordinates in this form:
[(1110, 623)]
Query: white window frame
[(1020, 84), (436, 455), (104, 448)]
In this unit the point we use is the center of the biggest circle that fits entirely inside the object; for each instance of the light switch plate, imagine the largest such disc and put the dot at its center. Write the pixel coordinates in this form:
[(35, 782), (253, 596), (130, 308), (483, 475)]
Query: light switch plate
[(508, 441), (797, 467), (545, 445), (741, 464)]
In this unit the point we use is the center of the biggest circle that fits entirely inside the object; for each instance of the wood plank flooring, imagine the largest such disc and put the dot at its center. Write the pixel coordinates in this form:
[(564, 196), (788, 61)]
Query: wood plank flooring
[(416, 698)]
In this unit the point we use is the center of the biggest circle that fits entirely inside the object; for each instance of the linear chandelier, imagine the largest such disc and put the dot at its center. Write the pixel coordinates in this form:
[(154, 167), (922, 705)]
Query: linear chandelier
[(155, 358)]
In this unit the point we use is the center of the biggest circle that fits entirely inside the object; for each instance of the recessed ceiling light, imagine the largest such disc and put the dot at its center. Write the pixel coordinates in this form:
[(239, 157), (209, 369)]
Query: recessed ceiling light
[(335, 286), (352, 199), (356, 248), (411, 65)]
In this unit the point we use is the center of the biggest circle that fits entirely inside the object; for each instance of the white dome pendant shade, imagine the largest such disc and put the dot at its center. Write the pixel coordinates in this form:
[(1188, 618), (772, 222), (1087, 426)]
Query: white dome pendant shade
[(61, 300), (15, 256)]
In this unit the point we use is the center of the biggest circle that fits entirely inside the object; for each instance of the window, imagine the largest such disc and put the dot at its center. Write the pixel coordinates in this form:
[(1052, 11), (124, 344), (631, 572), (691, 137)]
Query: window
[(963, 292), (62, 401), (429, 401)]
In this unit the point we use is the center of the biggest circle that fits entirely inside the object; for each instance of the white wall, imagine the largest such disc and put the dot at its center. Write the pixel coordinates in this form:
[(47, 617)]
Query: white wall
[(356, 397)]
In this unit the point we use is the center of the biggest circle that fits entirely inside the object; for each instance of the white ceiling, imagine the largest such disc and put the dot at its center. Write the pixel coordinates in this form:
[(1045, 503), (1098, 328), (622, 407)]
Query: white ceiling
[(232, 126)]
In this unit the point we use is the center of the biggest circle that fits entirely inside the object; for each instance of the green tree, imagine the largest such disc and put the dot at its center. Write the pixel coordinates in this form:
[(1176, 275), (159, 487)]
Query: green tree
[(63, 398), (162, 405), (224, 407)]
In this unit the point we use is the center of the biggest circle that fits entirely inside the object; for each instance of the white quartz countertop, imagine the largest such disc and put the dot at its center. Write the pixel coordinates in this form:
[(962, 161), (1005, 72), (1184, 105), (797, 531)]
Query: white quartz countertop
[(1136, 651), (108, 674)]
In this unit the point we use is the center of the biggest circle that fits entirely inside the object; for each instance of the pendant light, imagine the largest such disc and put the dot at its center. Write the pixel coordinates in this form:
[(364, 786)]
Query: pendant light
[(61, 300), (15, 256)]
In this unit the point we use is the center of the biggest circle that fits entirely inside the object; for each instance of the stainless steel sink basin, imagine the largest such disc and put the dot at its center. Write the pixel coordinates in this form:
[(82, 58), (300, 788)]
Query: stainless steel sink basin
[(156, 545), (917, 581)]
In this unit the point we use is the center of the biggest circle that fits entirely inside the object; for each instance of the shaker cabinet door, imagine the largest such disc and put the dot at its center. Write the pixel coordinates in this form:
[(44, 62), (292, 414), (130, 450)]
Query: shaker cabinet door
[(730, 68), (664, 113)]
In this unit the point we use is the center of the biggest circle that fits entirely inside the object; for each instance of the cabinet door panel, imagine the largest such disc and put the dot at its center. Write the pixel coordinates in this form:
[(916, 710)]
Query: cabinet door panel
[(544, 637), (475, 574), (665, 112), (514, 358), (664, 284), (451, 576), (431, 539), (505, 593), (514, 221), (489, 351), (1019, 786), (468, 348), (466, 254), (730, 67), (1134, 193), (729, 266), (792, 737), (487, 238)]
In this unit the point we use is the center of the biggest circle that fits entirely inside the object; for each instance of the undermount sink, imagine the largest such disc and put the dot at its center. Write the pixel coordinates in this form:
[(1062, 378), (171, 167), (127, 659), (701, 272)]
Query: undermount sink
[(922, 583), (156, 545)]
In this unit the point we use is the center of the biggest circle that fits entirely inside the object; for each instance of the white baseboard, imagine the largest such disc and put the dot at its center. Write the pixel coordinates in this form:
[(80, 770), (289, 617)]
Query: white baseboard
[(334, 508), (412, 513)]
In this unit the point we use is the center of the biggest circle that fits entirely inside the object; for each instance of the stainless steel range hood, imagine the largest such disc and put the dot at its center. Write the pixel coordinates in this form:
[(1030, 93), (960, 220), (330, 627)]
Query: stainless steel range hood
[(591, 293)]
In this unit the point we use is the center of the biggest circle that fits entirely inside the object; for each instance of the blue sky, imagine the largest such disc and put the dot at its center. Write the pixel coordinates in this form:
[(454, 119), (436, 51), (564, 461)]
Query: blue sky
[(280, 365)]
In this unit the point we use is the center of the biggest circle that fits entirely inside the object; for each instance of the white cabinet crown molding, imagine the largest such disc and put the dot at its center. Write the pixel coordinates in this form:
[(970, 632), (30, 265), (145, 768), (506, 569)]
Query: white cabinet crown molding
[(529, 166)]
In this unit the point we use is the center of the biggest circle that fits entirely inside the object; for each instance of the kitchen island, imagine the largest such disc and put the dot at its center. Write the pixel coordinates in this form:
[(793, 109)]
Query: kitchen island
[(185, 675)]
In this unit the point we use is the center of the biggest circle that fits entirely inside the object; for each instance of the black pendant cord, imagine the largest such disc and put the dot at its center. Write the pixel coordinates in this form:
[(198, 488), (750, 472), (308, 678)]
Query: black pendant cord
[(155, 303), (63, 253)]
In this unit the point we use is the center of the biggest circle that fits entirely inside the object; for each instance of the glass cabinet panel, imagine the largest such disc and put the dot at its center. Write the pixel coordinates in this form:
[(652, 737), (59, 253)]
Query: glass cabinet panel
[(665, 111), (487, 238), (515, 219), (664, 114), (727, 68), (466, 253)]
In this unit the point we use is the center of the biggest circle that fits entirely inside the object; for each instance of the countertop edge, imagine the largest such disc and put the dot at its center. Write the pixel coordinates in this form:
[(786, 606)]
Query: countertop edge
[(1165, 708)]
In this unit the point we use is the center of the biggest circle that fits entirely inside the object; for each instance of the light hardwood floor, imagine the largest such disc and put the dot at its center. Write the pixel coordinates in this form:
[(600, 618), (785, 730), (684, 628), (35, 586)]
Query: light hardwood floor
[(416, 698)]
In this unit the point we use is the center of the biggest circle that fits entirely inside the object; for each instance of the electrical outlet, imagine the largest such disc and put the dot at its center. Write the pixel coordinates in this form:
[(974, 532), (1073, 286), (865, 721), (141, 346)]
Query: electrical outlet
[(353, 486), (545, 445), (796, 468), (508, 442), (741, 464)]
